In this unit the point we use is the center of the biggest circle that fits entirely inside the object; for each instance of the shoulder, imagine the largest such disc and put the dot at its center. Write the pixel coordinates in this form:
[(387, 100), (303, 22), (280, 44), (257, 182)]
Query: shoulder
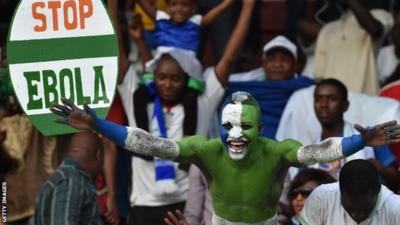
[(199, 146), (198, 142), (391, 204), (64, 178), (288, 144), (327, 189), (383, 16), (329, 27), (280, 147), (196, 19), (161, 15), (325, 193)]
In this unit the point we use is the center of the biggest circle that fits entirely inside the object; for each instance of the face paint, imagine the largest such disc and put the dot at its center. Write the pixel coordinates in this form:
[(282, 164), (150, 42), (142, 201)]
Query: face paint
[(231, 122), (240, 123)]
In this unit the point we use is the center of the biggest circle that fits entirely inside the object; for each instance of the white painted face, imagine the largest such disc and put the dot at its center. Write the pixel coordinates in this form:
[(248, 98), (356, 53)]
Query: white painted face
[(237, 143)]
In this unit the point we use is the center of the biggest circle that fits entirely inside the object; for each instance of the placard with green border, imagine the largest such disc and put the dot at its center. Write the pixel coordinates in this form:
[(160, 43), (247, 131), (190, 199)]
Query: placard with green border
[(62, 48)]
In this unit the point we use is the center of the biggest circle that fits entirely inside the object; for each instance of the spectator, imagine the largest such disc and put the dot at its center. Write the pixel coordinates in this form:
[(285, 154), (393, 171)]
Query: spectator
[(357, 198), (178, 27), (308, 29), (346, 49), (69, 195), (302, 186), (271, 85), (149, 25), (168, 105), (330, 103)]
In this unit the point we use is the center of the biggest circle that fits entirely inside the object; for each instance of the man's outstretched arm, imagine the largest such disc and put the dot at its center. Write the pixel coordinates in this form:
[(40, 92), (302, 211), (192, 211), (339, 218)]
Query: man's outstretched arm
[(337, 148), (130, 138)]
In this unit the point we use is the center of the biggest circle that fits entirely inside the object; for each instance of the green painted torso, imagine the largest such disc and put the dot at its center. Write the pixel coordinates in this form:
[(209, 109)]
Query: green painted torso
[(247, 190)]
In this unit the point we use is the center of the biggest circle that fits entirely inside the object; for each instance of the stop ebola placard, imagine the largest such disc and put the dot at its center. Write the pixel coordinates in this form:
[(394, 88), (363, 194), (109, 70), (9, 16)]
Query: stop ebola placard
[(62, 48)]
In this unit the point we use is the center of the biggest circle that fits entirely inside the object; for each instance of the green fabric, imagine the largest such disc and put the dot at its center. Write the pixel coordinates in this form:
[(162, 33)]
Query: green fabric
[(192, 83), (247, 190), (146, 79)]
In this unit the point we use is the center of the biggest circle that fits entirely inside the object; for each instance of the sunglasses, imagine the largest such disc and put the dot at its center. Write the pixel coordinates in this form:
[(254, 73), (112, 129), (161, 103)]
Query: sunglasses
[(304, 193)]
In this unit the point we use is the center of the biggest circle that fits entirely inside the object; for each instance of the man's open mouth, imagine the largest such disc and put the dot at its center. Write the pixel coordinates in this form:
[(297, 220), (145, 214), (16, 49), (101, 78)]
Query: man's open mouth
[(237, 145)]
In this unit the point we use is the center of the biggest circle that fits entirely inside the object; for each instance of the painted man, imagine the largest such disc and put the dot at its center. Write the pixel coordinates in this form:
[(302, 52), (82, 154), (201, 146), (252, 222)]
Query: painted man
[(244, 171)]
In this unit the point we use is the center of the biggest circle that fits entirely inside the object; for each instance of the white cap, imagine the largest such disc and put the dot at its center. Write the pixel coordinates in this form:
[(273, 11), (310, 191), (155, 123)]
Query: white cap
[(281, 42), (186, 59)]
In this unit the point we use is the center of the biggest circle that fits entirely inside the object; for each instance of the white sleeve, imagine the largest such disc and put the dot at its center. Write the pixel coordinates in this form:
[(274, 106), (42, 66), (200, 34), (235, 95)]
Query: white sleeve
[(327, 150), (161, 15), (214, 90), (209, 100), (196, 19), (252, 75), (313, 211), (386, 19), (142, 142), (126, 90)]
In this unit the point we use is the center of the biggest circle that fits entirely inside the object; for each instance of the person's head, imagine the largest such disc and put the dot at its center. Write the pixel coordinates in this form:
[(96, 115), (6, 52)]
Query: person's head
[(279, 60), (303, 184), (359, 188), (240, 124), (86, 149), (330, 102), (170, 79), (181, 10)]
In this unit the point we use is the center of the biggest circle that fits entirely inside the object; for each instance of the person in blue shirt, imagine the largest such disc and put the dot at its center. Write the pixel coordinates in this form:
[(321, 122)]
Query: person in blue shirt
[(177, 26)]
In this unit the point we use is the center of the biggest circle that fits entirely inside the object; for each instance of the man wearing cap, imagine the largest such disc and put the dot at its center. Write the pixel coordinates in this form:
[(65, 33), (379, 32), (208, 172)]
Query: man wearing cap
[(173, 100), (280, 56), (273, 83), (279, 62)]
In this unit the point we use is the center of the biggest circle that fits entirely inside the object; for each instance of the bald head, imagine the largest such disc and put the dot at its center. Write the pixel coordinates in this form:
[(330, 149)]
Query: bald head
[(86, 149)]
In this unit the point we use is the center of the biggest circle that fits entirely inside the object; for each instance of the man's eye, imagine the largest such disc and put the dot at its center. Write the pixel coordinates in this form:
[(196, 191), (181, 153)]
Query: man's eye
[(246, 126), (227, 126)]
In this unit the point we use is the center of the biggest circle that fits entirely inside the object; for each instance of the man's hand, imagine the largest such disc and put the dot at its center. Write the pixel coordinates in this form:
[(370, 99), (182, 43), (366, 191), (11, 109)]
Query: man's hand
[(135, 29), (73, 116), (111, 214), (175, 218), (379, 135)]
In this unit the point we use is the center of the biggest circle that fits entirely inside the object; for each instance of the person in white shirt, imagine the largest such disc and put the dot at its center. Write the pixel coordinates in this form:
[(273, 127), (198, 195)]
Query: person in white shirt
[(357, 198)]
